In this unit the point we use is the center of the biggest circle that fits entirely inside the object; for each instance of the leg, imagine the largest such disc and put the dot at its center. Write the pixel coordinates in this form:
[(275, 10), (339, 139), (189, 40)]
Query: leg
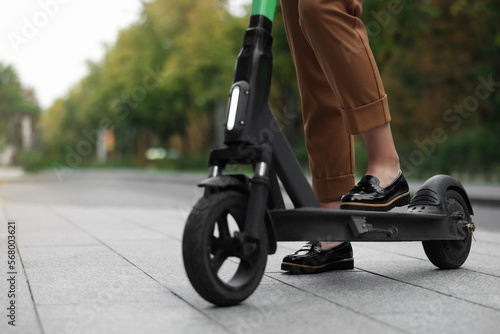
[(340, 42), (383, 160), (330, 147), (333, 172), (335, 205)]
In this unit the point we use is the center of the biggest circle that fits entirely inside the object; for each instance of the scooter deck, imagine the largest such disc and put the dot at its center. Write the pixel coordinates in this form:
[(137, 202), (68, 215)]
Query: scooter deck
[(304, 224)]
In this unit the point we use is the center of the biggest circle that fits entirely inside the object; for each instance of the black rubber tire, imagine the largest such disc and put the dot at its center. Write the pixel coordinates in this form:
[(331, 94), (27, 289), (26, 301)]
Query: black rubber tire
[(199, 248), (450, 254)]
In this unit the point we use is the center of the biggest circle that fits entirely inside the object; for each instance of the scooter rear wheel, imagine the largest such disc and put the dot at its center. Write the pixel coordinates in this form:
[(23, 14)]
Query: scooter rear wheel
[(450, 254), (215, 262)]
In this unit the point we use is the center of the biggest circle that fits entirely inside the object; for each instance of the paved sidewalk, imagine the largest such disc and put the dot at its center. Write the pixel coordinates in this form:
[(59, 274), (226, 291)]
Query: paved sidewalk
[(117, 268)]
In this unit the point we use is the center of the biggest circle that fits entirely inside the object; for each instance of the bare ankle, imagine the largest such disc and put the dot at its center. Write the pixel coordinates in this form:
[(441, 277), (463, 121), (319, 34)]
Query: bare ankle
[(330, 205), (386, 171), (335, 205), (325, 245)]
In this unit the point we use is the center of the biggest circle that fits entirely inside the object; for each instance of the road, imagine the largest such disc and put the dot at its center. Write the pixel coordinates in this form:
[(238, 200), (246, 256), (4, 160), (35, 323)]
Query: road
[(145, 190), (100, 252)]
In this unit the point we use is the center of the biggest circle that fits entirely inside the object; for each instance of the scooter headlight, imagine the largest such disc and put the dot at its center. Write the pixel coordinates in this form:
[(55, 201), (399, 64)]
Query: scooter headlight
[(233, 107)]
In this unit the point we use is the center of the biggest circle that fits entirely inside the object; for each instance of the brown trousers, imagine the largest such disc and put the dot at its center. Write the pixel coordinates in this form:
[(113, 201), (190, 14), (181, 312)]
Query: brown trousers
[(340, 86)]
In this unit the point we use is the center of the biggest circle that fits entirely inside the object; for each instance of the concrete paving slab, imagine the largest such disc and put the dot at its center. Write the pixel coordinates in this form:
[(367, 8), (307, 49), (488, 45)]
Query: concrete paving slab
[(459, 283), (415, 249), (444, 322), (168, 221), (69, 256), (402, 305), (106, 227), (356, 289), (160, 258), (26, 317), (487, 263), (169, 315), (286, 309), (39, 226), (64, 285), (165, 262), (26, 320)]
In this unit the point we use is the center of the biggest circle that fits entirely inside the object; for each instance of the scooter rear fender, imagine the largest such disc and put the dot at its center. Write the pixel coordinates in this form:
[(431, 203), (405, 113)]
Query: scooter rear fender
[(431, 197)]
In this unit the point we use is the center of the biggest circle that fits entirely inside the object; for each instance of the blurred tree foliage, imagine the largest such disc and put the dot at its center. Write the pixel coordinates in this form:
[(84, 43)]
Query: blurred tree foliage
[(174, 65), (15, 100), (433, 56), (165, 82)]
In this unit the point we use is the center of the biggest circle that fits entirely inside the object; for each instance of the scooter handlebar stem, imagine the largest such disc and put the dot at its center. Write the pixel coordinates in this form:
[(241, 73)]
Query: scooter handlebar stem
[(263, 7)]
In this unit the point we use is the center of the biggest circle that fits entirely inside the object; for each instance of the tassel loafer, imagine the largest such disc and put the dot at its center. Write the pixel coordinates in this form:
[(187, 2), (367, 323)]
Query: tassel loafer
[(369, 195), (311, 259)]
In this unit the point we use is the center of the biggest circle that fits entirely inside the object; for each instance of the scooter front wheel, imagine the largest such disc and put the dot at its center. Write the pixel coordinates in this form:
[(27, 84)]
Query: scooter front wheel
[(219, 268)]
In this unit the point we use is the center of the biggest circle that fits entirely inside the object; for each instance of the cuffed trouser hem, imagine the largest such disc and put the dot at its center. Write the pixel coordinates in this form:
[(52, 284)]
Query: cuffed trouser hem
[(332, 188), (367, 117)]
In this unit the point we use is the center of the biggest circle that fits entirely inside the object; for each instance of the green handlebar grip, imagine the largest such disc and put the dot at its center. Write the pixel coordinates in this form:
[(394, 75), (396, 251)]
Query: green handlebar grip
[(264, 7)]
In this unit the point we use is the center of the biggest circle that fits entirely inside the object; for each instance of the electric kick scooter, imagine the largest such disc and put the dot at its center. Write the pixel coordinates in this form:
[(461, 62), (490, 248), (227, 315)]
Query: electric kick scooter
[(236, 224)]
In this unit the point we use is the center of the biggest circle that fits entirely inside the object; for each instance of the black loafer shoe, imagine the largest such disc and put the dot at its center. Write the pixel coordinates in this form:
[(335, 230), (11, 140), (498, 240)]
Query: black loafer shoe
[(311, 259), (369, 195)]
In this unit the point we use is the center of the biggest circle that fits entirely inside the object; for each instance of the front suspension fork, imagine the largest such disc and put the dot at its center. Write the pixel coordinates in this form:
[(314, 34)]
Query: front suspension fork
[(259, 191), (260, 156)]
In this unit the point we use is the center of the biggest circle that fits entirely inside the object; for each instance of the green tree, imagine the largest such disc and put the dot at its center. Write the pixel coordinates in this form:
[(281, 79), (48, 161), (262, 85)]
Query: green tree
[(14, 100), (432, 56), (171, 71)]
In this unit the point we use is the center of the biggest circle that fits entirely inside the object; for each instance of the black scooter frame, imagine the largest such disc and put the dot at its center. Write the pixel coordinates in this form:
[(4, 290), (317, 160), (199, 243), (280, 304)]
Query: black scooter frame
[(253, 136)]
